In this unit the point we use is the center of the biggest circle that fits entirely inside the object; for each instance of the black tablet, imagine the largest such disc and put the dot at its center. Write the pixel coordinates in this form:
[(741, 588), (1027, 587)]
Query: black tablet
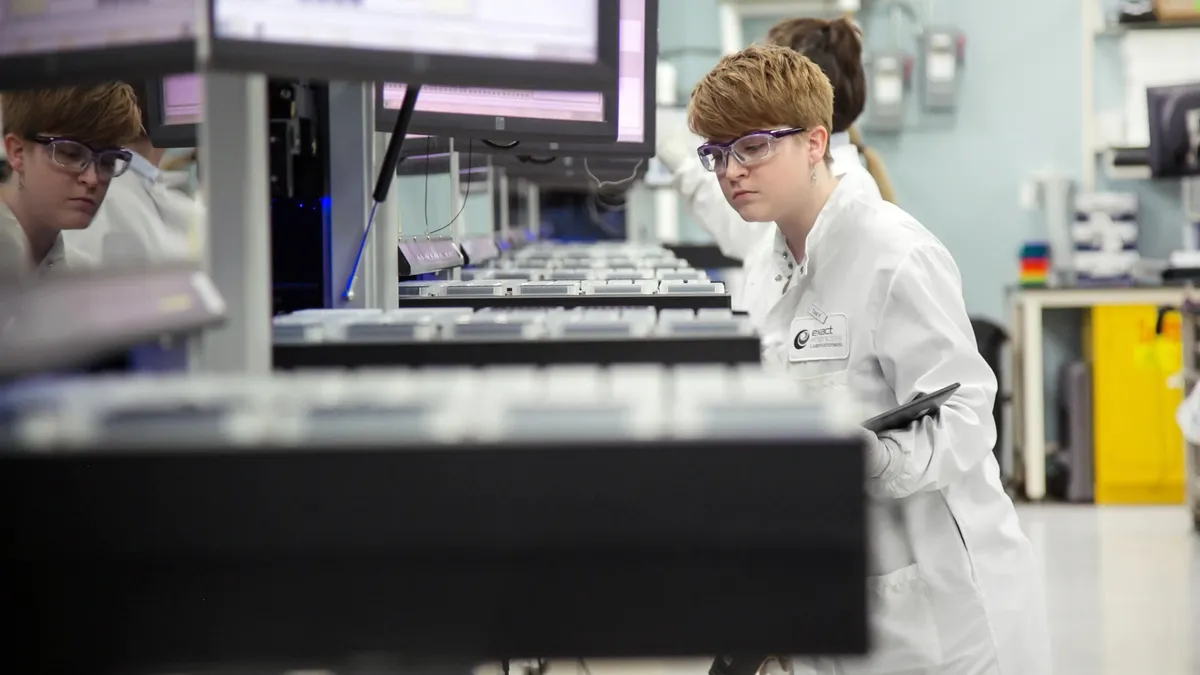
[(923, 405)]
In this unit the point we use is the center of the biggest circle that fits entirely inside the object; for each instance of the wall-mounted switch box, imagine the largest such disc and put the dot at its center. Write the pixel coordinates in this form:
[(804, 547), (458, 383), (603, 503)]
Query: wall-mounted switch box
[(941, 67), (888, 76)]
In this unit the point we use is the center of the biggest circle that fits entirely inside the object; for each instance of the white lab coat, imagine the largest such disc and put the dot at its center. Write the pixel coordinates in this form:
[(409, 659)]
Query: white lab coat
[(703, 200), (142, 220), (953, 582), (16, 262)]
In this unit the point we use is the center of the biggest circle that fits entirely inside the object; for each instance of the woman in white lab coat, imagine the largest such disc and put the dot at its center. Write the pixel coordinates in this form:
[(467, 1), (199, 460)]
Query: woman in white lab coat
[(63, 149), (144, 219), (859, 296), (835, 46)]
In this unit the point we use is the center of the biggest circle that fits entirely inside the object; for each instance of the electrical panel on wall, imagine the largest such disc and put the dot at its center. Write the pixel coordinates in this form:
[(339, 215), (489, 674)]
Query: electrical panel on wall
[(941, 68), (888, 79)]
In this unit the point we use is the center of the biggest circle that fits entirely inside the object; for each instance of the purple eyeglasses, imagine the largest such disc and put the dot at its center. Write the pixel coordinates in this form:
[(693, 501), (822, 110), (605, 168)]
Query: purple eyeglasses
[(750, 149), (77, 157)]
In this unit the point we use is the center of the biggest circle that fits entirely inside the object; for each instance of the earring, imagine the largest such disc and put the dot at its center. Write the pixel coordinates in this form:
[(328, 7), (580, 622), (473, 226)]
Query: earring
[(812, 178)]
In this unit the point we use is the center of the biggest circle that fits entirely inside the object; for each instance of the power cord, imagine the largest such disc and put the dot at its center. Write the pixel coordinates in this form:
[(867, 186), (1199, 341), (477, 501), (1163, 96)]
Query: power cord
[(465, 196)]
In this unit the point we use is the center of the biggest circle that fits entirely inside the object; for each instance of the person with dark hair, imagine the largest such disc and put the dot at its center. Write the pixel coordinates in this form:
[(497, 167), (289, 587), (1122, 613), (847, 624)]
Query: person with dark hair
[(64, 147), (836, 47)]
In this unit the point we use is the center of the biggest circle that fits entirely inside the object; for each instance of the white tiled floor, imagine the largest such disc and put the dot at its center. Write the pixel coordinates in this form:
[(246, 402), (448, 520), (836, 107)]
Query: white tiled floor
[(1123, 586)]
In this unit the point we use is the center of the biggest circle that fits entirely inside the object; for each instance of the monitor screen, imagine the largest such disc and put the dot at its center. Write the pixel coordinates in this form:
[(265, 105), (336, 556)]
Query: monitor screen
[(182, 101), (529, 30), (550, 105), (543, 105), (59, 42), (494, 103), (52, 26)]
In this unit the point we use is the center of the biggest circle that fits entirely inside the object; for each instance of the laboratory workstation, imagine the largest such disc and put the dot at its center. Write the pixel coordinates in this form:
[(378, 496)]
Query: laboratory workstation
[(600, 337)]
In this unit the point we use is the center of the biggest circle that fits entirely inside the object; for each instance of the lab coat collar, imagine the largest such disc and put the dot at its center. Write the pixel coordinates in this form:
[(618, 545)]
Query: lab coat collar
[(843, 194), (144, 168), (16, 244), (839, 140)]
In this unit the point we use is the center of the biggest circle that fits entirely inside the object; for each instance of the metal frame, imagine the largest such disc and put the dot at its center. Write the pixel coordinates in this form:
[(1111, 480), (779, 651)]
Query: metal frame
[(334, 63), (745, 349), (164, 135), (351, 146), (237, 200), (385, 235), (92, 66), (655, 300)]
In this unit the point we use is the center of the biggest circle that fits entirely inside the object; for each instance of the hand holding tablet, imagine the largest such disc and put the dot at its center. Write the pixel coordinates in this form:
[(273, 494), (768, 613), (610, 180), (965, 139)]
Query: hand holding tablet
[(922, 405)]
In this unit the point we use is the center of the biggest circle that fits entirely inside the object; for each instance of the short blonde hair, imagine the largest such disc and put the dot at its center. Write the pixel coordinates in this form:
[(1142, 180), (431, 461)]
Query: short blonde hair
[(102, 116), (760, 88)]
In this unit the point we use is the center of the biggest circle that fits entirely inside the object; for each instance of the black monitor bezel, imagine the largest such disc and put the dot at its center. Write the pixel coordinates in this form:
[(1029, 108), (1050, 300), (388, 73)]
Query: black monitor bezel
[(96, 65), (364, 65), (542, 132), (164, 135)]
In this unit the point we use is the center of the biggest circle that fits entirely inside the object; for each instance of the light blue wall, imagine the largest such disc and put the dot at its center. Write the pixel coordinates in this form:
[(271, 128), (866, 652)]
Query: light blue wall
[(416, 195), (1019, 112), (961, 177)]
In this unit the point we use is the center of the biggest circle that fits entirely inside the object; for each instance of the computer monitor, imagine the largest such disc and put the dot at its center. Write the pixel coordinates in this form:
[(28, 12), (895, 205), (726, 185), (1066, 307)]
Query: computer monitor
[(565, 45), (47, 43), (638, 91), (174, 108), (545, 120), (1174, 114), (501, 115)]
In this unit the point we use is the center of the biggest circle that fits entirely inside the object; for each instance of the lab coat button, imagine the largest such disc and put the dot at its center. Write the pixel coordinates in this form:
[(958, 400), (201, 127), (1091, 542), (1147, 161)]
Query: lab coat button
[(778, 277)]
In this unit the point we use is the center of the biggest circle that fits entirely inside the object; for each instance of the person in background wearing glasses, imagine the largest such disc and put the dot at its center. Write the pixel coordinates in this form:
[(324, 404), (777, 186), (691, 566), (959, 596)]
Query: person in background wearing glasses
[(143, 220), (835, 46), (64, 147), (861, 298)]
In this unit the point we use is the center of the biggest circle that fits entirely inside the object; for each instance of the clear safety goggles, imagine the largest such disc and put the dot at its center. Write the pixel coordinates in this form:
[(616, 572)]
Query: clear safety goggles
[(76, 157), (749, 150)]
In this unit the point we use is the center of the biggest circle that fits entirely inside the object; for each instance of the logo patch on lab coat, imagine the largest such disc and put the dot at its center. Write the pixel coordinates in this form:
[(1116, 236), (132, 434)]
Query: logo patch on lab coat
[(815, 340)]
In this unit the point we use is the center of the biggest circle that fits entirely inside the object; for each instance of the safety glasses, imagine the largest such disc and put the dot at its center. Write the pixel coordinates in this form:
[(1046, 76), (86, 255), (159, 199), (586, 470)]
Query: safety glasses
[(77, 157), (748, 150)]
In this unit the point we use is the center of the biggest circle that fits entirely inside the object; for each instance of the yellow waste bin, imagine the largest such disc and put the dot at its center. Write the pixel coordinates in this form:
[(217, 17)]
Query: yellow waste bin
[(1139, 450)]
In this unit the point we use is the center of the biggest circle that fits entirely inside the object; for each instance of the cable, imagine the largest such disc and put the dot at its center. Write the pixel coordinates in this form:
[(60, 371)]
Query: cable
[(602, 184), (464, 201)]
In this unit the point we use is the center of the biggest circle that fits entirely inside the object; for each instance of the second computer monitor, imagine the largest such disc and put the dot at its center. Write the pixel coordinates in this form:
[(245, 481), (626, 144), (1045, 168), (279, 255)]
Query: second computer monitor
[(542, 121), (565, 45), (637, 95), (501, 115), (174, 109)]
